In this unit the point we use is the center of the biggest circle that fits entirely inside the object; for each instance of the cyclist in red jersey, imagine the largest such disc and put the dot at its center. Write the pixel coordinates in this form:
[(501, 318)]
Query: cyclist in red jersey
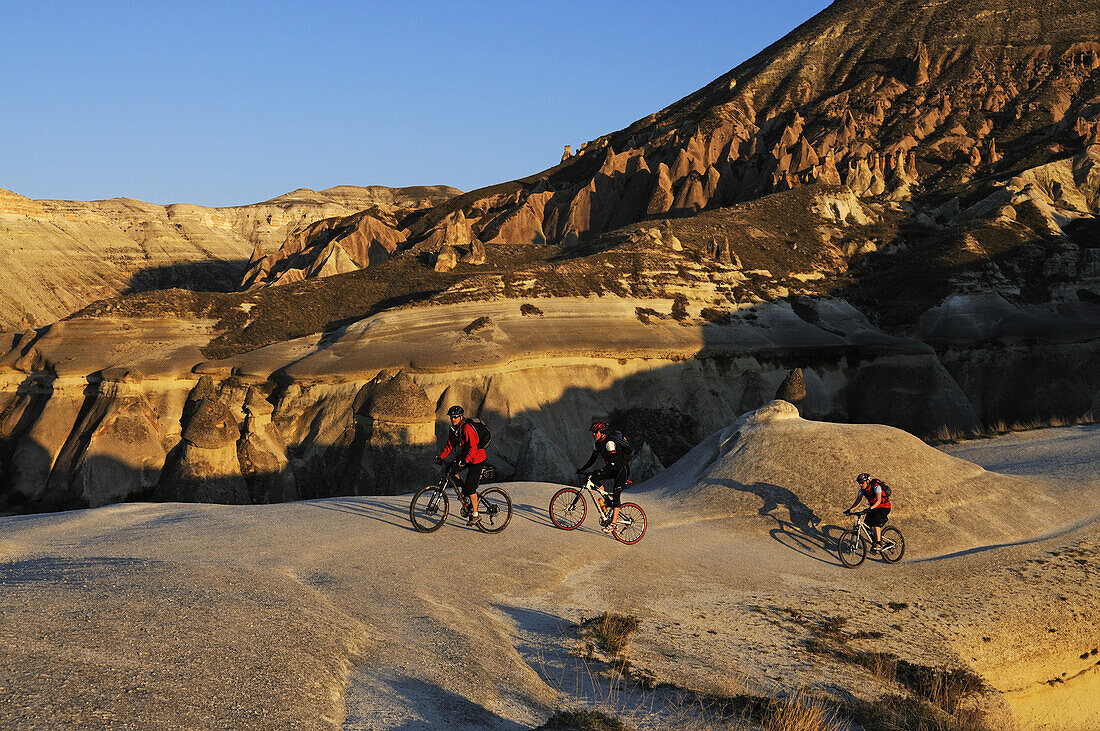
[(878, 502), (462, 441)]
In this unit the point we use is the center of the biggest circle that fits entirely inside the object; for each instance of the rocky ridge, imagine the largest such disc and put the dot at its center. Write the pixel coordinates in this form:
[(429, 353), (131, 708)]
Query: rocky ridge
[(939, 107), (58, 256)]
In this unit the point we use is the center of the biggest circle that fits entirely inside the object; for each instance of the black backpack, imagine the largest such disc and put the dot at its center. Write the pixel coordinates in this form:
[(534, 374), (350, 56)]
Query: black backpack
[(621, 442), (884, 486), (484, 436)]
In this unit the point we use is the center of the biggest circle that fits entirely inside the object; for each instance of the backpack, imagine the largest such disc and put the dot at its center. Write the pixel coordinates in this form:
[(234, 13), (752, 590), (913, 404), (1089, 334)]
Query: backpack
[(484, 436), (884, 486), (621, 442)]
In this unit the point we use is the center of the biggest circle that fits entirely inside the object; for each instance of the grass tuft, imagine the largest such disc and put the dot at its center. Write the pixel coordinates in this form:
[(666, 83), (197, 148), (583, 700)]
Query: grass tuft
[(584, 720), (612, 631)]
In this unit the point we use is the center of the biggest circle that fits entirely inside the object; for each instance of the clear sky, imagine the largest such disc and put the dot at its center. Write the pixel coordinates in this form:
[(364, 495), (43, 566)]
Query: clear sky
[(228, 103)]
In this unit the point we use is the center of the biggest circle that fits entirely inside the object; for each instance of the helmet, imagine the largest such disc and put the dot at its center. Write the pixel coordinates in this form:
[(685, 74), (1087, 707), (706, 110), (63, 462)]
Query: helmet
[(863, 477), (455, 411), (599, 426)]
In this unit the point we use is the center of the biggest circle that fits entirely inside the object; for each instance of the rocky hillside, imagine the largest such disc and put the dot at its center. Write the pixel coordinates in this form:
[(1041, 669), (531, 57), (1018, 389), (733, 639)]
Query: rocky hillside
[(891, 213), (58, 256), (914, 101)]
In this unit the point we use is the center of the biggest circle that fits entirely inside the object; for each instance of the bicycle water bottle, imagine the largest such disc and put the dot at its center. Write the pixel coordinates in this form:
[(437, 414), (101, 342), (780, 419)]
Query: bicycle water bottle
[(601, 502)]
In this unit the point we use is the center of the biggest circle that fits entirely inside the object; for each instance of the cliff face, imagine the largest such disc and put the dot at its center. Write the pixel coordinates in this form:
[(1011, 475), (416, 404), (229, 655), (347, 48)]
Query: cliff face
[(898, 199), (97, 410), (58, 256)]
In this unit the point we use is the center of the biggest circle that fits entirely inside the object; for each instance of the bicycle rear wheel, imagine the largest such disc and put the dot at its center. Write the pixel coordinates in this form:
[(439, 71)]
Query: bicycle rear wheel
[(893, 545), (631, 525), (852, 550), (429, 508), (495, 507), (568, 508)]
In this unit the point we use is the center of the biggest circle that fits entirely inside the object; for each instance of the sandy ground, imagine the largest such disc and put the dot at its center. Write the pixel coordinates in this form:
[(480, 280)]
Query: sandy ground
[(336, 612)]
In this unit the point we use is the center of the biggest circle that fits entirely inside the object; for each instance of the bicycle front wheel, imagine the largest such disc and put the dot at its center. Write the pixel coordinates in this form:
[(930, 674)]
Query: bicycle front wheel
[(893, 545), (631, 525), (852, 549), (568, 508), (429, 508), (495, 507)]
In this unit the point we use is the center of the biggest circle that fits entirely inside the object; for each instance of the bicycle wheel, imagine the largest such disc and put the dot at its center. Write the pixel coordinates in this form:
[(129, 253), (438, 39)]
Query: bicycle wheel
[(495, 507), (429, 508), (568, 508), (893, 545), (631, 525), (852, 550)]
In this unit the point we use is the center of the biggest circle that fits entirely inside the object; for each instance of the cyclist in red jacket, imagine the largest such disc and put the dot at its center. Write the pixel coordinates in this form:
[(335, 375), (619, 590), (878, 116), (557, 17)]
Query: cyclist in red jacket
[(879, 505), (462, 441)]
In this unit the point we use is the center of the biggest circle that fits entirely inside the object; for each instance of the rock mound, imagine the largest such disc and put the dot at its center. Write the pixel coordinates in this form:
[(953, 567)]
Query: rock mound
[(771, 461)]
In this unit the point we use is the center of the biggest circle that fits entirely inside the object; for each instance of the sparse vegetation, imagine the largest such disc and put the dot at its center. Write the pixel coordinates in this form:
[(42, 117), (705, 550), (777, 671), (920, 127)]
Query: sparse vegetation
[(479, 324), (952, 435), (645, 314), (611, 631), (528, 309), (718, 317), (584, 720)]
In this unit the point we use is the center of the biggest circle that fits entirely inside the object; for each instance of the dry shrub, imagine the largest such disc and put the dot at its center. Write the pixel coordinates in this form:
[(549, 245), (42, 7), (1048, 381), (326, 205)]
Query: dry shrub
[(945, 688), (613, 631), (581, 719), (645, 314), (529, 309), (833, 625), (802, 713), (718, 317), (479, 324)]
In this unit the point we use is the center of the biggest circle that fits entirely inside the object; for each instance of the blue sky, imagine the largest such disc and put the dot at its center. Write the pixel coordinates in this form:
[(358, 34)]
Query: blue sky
[(228, 103)]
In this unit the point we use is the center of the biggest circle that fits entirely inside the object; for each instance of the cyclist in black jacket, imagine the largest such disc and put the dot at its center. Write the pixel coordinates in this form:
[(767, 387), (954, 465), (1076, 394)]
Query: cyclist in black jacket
[(616, 459)]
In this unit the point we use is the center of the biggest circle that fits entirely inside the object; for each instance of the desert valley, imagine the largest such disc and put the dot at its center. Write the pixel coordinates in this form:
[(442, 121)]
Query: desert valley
[(874, 246)]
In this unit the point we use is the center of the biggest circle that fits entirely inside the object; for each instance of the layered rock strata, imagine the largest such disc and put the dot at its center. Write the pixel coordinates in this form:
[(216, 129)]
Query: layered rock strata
[(58, 256), (360, 411)]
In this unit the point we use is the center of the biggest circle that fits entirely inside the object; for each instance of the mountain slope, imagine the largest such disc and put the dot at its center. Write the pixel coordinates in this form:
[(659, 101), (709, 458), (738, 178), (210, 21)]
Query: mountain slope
[(58, 256)]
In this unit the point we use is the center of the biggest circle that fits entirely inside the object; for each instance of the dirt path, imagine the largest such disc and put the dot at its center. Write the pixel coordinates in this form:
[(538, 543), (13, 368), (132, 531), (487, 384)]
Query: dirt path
[(335, 612)]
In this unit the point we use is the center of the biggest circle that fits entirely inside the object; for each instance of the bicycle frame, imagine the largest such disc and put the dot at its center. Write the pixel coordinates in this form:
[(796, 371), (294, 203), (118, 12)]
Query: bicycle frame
[(596, 491), (864, 532), (447, 480)]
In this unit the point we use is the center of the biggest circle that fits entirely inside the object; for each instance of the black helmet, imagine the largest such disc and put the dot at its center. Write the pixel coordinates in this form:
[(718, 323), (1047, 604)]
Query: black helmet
[(455, 411), (599, 426), (863, 477)]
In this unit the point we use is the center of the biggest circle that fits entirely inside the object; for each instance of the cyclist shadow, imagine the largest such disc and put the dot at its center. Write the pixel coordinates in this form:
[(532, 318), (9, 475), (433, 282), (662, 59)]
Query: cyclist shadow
[(803, 533), (533, 513), (383, 512)]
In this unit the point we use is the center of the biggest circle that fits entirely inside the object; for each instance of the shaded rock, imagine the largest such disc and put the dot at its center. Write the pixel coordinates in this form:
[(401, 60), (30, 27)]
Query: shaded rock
[(476, 253), (644, 465), (542, 460), (124, 452), (914, 393), (793, 388), (262, 454)]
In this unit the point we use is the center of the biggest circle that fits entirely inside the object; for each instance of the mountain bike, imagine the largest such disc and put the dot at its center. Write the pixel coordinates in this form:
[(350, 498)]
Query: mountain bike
[(430, 506), (855, 542), (568, 509)]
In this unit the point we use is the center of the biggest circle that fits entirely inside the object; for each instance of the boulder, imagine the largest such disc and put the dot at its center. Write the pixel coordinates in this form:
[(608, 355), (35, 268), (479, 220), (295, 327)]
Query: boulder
[(446, 259)]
